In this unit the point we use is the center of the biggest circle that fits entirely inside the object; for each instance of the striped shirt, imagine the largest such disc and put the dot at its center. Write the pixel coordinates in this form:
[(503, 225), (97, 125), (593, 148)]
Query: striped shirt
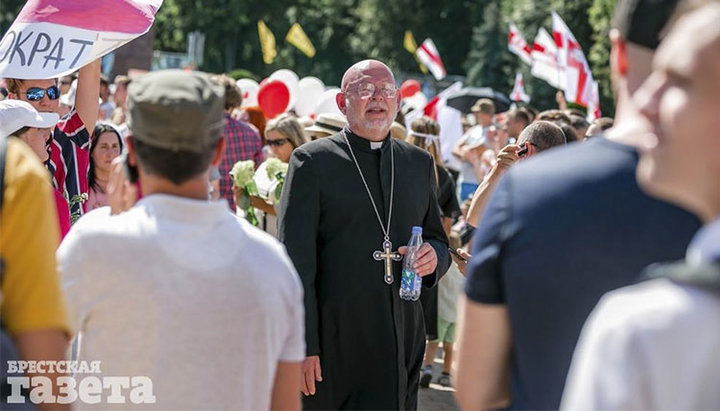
[(70, 157)]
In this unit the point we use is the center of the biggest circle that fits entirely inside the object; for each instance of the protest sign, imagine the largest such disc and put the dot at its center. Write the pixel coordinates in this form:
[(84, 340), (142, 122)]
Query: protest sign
[(53, 38)]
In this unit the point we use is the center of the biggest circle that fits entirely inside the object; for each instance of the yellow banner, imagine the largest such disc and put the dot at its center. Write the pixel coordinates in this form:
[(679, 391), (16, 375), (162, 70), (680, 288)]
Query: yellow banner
[(411, 46), (267, 42), (409, 42), (297, 37)]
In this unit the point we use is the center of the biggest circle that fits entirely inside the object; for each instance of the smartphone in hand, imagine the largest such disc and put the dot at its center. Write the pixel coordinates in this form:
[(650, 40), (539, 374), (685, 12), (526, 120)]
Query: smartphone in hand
[(458, 256), (523, 151)]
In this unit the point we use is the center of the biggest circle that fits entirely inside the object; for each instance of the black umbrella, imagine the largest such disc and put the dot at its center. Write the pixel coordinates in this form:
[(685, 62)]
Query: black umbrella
[(464, 98)]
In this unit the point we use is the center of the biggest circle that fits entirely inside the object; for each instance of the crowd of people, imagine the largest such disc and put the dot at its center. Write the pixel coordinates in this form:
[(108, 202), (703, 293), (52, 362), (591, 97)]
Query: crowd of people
[(127, 239)]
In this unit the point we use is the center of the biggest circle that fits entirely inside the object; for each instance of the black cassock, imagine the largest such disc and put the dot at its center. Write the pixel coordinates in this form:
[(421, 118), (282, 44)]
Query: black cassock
[(370, 342)]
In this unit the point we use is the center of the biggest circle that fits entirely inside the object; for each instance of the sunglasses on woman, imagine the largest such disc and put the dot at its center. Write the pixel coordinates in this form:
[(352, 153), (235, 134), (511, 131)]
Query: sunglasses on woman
[(37, 93), (278, 142)]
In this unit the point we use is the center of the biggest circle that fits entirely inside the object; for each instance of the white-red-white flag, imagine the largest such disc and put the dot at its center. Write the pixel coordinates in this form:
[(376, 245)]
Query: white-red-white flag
[(518, 92), (52, 38), (428, 54), (578, 78), (593, 107), (545, 60), (518, 45)]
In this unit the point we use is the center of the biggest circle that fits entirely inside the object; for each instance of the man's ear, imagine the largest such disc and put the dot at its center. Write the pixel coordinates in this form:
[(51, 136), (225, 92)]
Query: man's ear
[(618, 53), (341, 101), (219, 152), (532, 150)]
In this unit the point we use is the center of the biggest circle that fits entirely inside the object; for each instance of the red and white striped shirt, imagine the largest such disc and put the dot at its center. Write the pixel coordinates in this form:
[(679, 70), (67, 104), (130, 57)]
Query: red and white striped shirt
[(70, 157)]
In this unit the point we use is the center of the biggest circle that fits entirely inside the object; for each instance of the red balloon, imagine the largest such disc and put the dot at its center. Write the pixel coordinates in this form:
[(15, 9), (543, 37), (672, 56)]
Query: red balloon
[(273, 98), (409, 88)]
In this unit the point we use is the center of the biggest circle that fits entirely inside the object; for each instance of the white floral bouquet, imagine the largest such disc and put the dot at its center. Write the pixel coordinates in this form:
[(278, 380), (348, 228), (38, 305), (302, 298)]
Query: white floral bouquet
[(242, 175), (276, 171)]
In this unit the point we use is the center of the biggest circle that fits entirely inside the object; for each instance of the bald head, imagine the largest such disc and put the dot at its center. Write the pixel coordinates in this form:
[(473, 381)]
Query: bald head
[(369, 99), (362, 68)]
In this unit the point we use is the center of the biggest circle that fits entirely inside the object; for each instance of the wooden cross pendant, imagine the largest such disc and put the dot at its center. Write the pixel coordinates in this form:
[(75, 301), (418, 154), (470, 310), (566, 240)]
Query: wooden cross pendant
[(389, 256)]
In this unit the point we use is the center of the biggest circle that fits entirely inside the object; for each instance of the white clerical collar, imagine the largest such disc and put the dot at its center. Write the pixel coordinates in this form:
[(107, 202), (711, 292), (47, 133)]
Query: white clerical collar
[(374, 145)]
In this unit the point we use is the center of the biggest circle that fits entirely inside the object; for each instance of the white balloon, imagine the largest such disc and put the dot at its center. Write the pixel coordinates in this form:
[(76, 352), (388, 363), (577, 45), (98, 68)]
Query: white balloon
[(327, 103), (249, 89), (292, 81), (311, 89)]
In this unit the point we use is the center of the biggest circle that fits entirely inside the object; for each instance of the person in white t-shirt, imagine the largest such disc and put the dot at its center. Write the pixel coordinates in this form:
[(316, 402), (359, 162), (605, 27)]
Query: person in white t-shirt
[(177, 292), (655, 345)]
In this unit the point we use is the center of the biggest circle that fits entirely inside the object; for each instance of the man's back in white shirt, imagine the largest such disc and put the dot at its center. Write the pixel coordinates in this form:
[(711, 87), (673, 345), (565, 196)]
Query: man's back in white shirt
[(185, 293), (654, 345)]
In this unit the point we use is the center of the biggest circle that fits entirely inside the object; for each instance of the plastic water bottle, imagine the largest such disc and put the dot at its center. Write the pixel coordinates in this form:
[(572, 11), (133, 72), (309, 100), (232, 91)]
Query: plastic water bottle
[(411, 283)]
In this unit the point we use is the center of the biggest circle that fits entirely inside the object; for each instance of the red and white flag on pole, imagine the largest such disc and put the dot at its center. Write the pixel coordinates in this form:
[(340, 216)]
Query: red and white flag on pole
[(518, 92), (52, 38), (428, 54), (545, 60), (578, 78), (593, 107), (518, 45), (430, 108)]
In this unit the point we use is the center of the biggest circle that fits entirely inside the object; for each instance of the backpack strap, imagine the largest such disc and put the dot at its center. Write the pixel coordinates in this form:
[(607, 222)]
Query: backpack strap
[(706, 275)]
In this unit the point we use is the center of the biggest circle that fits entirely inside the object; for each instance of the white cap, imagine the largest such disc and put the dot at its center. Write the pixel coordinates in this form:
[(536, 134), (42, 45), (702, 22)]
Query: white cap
[(16, 114)]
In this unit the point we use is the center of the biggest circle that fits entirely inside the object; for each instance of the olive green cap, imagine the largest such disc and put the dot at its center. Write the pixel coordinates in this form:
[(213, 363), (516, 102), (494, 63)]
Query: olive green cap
[(176, 110)]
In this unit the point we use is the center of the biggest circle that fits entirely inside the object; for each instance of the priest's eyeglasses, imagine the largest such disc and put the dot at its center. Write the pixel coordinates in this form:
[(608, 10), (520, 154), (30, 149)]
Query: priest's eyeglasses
[(367, 90)]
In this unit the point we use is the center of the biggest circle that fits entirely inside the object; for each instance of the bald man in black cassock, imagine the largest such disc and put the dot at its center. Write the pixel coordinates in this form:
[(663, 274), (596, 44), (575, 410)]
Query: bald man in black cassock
[(364, 344)]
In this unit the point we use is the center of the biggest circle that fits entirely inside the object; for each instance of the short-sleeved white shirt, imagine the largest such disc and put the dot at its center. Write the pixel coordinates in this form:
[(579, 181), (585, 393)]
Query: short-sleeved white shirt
[(184, 292), (654, 345)]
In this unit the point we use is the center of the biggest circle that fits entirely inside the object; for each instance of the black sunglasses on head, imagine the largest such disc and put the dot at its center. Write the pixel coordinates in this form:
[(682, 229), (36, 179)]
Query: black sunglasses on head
[(37, 93), (277, 142)]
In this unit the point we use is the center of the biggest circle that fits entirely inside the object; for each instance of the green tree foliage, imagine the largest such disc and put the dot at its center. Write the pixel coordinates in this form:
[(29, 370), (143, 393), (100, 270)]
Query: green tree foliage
[(8, 10), (599, 57), (471, 36), (575, 15), (382, 25), (529, 16), (330, 24), (489, 62), (230, 27)]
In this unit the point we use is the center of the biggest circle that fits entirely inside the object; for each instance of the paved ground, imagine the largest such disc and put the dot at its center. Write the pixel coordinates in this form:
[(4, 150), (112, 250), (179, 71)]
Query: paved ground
[(437, 397)]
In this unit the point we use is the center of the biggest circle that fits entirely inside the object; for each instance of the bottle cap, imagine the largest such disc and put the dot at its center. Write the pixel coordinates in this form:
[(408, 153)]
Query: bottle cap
[(416, 230)]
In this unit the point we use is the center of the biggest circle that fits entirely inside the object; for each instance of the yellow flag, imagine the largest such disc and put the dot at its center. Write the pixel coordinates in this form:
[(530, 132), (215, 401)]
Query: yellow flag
[(297, 37), (409, 42), (267, 42), (411, 46)]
